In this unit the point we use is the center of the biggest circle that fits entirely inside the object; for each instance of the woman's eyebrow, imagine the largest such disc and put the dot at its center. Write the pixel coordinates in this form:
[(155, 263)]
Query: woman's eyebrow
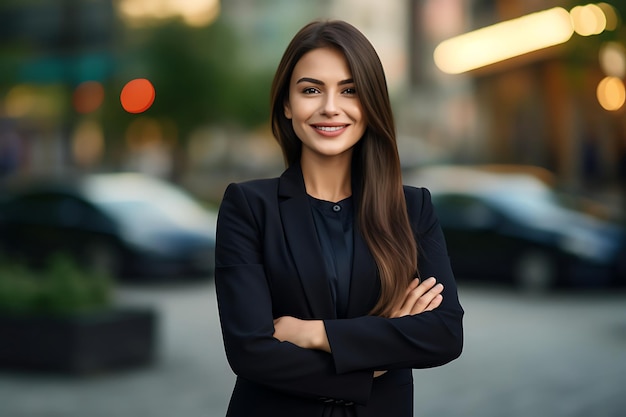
[(318, 82)]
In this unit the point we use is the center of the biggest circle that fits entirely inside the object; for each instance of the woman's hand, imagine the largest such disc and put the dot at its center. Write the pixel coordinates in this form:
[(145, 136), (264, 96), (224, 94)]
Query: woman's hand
[(420, 297), (308, 334)]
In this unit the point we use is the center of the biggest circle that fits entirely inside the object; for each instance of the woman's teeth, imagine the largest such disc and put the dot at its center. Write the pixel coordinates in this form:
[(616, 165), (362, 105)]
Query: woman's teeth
[(329, 128)]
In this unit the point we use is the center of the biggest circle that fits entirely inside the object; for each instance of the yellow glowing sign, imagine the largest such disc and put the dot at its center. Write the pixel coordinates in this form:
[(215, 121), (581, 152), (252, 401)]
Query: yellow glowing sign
[(193, 12), (519, 36), (503, 41)]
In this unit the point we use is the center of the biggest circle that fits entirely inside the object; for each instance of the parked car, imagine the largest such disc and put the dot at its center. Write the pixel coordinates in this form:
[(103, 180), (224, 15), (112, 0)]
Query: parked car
[(125, 224), (511, 227)]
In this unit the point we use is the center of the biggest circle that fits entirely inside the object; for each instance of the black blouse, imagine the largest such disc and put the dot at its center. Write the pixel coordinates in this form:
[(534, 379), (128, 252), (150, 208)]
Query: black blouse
[(334, 224)]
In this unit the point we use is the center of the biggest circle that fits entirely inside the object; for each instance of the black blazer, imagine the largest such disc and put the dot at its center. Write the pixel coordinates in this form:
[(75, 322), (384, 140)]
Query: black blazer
[(269, 264)]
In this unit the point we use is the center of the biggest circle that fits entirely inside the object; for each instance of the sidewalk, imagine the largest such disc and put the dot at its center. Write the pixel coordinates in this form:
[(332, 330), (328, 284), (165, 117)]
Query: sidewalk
[(189, 379)]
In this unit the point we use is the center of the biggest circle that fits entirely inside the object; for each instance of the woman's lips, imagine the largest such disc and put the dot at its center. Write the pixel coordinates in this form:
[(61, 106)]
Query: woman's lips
[(326, 130)]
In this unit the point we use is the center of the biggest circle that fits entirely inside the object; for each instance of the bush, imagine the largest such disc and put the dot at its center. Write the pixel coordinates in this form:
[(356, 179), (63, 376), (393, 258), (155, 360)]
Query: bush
[(61, 288)]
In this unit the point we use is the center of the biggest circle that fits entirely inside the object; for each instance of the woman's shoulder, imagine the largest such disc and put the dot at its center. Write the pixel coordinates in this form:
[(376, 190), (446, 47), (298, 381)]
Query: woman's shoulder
[(418, 202), (257, 183), (416, 194), (254, 188)]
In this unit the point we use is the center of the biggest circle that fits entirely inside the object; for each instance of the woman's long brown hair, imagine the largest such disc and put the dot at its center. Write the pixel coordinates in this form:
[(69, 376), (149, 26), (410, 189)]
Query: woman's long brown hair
[(382, 214)]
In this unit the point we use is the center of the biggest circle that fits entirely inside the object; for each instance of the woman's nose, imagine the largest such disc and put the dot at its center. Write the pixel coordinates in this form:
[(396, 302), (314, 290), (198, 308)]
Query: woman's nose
[(329, 105)]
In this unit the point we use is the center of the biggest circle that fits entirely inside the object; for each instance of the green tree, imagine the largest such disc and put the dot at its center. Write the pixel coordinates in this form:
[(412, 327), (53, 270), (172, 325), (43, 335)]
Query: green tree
[(198, 77)]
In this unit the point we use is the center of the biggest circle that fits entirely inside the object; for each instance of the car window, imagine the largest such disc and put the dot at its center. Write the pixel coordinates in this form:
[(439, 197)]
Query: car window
[(531, 208), (33, 209), (56, 209), (461, 211)]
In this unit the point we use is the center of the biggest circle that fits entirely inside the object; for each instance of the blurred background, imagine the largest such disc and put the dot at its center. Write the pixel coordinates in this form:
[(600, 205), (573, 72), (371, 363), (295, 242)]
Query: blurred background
[(122, 122)]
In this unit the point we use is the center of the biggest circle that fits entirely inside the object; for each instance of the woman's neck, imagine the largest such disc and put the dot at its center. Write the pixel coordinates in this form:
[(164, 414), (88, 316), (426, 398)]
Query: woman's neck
[(327, 178)]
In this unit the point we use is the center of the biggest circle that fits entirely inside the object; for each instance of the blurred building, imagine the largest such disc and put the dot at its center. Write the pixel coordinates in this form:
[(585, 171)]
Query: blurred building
[(268, 25), (47, 50), (544, 107)]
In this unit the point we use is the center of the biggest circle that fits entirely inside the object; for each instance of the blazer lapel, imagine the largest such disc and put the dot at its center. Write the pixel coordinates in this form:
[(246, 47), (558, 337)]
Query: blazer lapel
[(364, 283), (301, 235)]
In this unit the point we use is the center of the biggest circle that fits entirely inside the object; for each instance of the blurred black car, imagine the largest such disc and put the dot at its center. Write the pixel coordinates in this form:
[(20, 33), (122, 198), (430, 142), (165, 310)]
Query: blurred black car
[(127, 225), (513, 228)]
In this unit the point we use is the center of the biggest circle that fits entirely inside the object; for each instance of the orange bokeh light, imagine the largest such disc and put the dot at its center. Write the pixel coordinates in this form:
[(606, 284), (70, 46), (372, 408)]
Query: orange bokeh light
[(611, 93), (137, 95), (88, 97)]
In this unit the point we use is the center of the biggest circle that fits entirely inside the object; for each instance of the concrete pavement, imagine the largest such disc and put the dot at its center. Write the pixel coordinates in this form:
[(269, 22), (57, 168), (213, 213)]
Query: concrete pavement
[(561, 355)]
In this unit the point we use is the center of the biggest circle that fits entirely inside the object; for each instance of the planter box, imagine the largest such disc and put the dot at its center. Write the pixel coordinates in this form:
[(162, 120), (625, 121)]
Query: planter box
[(79, 344)]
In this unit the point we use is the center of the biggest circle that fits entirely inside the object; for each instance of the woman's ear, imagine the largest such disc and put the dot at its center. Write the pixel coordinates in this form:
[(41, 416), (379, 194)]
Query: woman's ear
[(287, 108)]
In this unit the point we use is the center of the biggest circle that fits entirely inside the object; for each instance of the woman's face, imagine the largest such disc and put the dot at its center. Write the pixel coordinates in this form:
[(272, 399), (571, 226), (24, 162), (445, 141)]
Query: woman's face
[(323, 105)]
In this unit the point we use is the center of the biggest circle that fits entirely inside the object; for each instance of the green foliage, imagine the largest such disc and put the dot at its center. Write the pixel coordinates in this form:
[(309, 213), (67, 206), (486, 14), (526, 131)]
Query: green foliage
[(198, 74), (61, 288)]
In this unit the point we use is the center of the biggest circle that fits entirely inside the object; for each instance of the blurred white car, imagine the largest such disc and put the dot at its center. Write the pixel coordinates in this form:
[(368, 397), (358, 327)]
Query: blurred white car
[(125, 224)]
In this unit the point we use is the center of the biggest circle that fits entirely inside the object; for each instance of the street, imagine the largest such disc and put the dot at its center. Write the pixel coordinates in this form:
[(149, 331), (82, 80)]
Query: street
[(555, 355)]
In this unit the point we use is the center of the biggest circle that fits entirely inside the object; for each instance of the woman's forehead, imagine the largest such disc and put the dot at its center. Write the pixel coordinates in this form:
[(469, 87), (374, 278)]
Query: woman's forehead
[(326, 63)]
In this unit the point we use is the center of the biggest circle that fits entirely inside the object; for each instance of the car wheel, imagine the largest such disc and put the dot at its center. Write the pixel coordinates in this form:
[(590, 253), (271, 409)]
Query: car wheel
[(535, 272), (104, 258)]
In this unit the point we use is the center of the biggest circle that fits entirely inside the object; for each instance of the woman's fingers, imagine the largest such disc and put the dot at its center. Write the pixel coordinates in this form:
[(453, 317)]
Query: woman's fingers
[(429, 301), (420, 297), (413, 296), (402, 307)]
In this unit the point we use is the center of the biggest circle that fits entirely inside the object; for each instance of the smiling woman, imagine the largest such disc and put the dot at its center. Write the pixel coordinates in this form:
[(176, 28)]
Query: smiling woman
[(321, 307), (193, 12)]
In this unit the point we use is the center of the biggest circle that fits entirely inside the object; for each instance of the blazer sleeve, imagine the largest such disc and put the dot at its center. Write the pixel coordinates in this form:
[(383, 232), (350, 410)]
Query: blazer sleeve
[(245, 308), (419, 341)]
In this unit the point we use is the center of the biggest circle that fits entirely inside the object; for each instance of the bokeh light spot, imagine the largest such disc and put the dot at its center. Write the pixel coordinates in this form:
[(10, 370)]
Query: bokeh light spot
[(611, 93), (88, 97), (612, 57), (20, 101), (588, 20), (88, 143), (137, 95), (612, 18)]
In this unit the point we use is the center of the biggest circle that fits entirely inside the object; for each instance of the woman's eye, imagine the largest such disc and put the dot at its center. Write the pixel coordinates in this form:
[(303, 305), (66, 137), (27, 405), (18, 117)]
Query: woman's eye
[(350, 91), (310, 90)]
